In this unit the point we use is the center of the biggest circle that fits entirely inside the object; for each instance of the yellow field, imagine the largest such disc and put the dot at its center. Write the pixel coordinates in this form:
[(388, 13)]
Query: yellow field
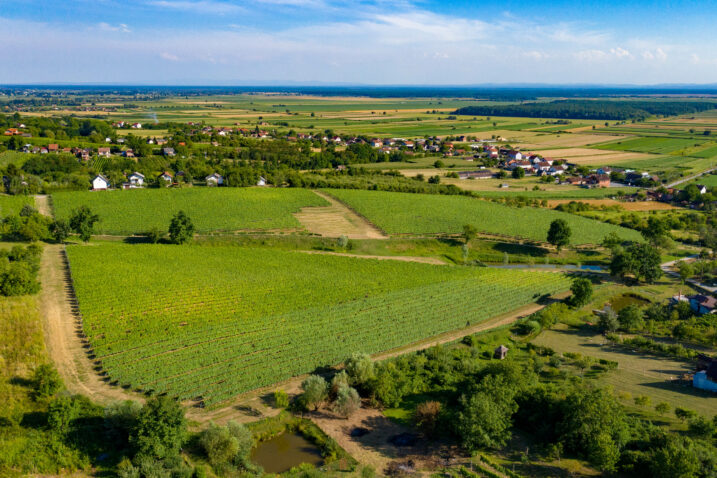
[(590, 156)]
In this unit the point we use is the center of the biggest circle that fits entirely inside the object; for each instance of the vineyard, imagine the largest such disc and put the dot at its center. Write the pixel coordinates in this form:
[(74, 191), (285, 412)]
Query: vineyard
[(403, 213), (211, 209), (207, 323)]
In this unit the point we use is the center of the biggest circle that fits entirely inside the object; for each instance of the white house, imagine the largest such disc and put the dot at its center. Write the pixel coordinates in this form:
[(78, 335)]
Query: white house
[(136, 180), (214, 180), (100, 183), (261, 182), (166, 178)]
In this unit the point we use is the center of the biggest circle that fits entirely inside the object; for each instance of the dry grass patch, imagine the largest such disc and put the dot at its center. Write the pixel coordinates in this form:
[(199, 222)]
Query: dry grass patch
[(628, 206), (591, 156)]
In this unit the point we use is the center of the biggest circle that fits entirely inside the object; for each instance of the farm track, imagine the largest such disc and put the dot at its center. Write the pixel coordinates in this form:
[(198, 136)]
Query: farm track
[(63, 332), (422, 260), (42, 202), (337, 220)]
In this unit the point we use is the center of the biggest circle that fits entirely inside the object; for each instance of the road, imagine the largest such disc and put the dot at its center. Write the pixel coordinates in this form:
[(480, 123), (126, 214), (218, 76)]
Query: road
[(689, 178)]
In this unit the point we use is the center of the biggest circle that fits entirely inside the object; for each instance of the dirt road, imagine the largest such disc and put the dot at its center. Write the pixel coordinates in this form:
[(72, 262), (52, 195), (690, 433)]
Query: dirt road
[(337, 220)]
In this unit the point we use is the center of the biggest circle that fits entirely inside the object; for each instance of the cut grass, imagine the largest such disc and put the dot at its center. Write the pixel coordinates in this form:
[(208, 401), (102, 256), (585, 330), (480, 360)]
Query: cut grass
[(210, 209), (404, 213)]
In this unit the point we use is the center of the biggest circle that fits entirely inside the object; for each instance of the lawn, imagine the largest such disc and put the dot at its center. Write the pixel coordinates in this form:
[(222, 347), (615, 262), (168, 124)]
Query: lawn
[(207, 323), (211, 209), (404, 213)]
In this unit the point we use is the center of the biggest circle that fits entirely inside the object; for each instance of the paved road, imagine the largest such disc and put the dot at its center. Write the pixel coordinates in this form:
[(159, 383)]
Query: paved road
[(667, 269), (689, 178)]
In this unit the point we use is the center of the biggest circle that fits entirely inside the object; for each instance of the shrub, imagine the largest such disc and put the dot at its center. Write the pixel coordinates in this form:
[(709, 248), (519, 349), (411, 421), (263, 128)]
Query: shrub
[(427, 415), (315, 391), (281, 399), (347, 401), (46, 381)]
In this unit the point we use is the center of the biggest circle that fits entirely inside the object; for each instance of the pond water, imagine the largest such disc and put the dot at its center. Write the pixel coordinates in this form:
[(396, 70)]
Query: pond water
[(284, 452), (621, 301)]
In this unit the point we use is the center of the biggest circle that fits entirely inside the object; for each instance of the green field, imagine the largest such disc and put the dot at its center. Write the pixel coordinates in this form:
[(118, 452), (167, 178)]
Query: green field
[(211, 209), (211, 322), (656, 145), (403, 213), (10, 205)]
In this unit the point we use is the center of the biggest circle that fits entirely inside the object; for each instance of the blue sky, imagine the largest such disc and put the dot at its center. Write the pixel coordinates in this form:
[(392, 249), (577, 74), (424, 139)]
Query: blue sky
[(230, 42)]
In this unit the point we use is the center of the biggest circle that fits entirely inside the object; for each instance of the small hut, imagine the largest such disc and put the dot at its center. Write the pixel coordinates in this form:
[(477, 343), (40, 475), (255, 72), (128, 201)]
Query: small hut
[(501, 352)]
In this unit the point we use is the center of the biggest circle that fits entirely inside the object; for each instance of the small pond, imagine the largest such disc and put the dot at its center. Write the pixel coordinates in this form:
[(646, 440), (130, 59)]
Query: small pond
[(284, 452), (621, 301)]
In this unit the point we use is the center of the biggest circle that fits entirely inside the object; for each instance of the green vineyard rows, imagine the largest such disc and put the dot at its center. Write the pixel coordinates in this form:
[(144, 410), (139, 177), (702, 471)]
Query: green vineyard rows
[(207, 323), (404, 213)]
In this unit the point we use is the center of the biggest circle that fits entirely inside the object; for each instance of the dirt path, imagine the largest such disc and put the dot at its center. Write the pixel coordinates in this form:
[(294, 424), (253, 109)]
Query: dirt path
[(42, 203), (423, 260), (337, 220), (63, 332)]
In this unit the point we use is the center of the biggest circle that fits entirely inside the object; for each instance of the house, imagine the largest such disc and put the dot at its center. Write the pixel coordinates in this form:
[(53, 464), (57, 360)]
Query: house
[(575, 181), (103, 152), (161, 141), (137, 126), (168, 152), (516, 155), (703, 304), (166, 178), (376, 143), (214, 180), (136, 180), (700, 187), (53, 148), (706, 376), (100, 183), (599, 180), (261, 182), (485, 174), (501, 352)]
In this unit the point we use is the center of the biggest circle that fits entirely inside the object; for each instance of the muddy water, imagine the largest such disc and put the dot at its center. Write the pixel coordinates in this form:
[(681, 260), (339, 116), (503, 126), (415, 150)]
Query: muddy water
[(284, 452)]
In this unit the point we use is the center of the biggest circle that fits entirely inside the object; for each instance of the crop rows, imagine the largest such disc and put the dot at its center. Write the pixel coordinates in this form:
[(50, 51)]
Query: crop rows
[(211, 209), (211, 322), (404, 213)]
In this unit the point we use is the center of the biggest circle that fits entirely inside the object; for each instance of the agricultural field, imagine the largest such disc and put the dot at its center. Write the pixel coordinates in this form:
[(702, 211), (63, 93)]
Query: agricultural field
[(402, 213), (211, 209), (654, 145), (207, 323), (10, 205)]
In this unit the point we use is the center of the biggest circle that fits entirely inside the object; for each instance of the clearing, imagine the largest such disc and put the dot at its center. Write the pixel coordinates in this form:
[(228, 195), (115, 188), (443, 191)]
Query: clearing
[(336, 220)]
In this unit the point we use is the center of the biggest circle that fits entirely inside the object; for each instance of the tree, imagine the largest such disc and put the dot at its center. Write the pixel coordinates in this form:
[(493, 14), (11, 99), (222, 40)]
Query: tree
[(611, 240), (342, 241), (83, 221), (181, 229), (630, 318), (683, 414), (655, 230), (469, 233), (686, 270), (154, 235), (484, 421), (559, 233), (161, 428), (60, 413), (46, 381), (341, 379), (60, 230), (582, 290), (359, 368), (675, 459), (315, 391), (608, 321), (347, 401), (218, 444), (426, 417), (647, 261)]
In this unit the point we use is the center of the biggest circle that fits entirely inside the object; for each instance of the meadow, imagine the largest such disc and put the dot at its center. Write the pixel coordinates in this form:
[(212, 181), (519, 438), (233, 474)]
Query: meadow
[(211, 209), (403, 213), (206, 323)]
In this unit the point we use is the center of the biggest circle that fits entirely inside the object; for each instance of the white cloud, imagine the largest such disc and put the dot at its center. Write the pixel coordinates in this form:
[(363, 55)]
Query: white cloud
[(121, 27), (620, 52), (169, 56)]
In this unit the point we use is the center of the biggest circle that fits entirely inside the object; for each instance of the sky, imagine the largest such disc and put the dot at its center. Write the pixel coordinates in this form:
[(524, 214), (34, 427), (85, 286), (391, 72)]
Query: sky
[(335, 42)]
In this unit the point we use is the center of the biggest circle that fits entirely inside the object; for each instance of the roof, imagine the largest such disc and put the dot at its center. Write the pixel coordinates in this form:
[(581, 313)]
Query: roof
[(711, 371), (136, 174), (102, 178), (705, 300), (501, 348)]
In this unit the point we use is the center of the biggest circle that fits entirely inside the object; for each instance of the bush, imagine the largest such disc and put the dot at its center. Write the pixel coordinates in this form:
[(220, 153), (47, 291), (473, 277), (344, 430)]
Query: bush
[(315, 391), (219, 446), (427, 415), (281, 399), (46, 381), (347, 401)]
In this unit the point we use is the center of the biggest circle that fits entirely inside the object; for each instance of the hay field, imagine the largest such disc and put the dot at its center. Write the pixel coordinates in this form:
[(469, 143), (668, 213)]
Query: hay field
[(589, 156)]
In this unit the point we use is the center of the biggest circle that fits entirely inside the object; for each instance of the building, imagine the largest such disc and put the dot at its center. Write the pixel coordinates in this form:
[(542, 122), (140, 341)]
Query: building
[(103, 152), (501, 352), (703, 304), (168, 151), (166, 178), (706, 376), (214, 180), (100, 183), (136, 180), (484, 174), (261, 182)]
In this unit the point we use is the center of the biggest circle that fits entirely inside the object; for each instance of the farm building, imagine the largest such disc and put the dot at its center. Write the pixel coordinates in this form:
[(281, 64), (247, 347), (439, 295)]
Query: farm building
[(100, 183), (501, 352), (166, 177), (261, 182), (214, 180), (475, 174)]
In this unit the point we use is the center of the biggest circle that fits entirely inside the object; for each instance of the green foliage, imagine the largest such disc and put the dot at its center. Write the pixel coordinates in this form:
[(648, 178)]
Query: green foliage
[(82, 221), (403, 213), (161, 429), (181, 229), (608, 322), (46, 381), (347, 401), (631, 318), (685, 414), (641, 260), (582, 290), (154, 235), (662, 408), (315, 391), (60, 230), (281, 399), (559, 233), (359, 368)]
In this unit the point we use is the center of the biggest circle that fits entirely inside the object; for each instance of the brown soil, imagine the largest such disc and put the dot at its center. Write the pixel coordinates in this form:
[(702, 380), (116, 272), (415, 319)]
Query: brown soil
[(42, 203), (337, 220), (63, 332), (628, 206)]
